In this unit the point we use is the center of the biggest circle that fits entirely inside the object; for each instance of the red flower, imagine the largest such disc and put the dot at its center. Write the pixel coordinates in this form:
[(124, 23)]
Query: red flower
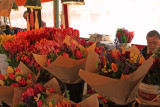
[(51, 90), (38, 87), (22, 82), (39, 103), (14, 85), (78, 54), (29, 76), (48, 62), (65, 55), (11, 76), (30, 92), (1, 77), (24, 96)]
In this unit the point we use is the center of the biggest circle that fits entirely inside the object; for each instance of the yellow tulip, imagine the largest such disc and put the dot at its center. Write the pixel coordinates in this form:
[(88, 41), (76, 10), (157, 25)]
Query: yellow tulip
[(1, 82), (10, 70), (18, 78)]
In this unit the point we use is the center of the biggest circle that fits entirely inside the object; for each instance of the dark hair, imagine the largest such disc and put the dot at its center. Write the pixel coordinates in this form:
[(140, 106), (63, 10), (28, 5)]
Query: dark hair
[(7, 27), (153, 33)]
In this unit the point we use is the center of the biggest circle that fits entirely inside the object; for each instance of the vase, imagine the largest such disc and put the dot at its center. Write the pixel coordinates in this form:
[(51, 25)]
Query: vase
[(125, 45), (149, 94), (75, 91), (111, 104), (3, 63)]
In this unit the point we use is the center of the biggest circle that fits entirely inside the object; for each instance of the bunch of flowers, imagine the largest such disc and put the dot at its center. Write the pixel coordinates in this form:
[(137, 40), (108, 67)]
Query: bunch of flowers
[(85, 43), (118, 63), (65, 103), (153, 75), (124, 36), (34, 96), (53, 49), (15, 78)]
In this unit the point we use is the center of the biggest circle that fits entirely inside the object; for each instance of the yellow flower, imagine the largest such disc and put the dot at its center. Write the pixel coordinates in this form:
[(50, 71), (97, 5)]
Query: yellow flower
[(114, 67), (18, 78), (109, 70), (105, 71), (50, 104), (19, 73), (1, 82), (10, 70)]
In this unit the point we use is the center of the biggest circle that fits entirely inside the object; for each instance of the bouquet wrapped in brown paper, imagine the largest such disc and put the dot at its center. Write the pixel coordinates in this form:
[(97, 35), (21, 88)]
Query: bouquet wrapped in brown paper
[(33, 96), (117, 83), (63, 60), (15, 78)]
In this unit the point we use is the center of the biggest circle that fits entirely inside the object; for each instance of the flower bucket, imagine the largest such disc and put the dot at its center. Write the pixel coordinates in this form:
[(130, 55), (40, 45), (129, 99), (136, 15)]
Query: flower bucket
[(149, 94), (125, 45), (3, 63)]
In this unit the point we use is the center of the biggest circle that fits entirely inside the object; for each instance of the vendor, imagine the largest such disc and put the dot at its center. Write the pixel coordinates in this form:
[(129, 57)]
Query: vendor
[(152, 43), (43, 24)]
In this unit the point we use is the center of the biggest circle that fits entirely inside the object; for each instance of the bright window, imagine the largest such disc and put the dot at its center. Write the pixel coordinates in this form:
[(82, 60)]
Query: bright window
[(105, 16)]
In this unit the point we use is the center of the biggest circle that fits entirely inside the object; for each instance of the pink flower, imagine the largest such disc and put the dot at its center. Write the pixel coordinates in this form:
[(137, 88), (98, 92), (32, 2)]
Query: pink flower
[(51, 90), (73, 47), (11, 76), (30, 92), (29, 76), (39, 103), (24, 96), (22, 82), (14, 85), (1, 77), (48, 62), (65, 55), (38, 87), (78, 54)]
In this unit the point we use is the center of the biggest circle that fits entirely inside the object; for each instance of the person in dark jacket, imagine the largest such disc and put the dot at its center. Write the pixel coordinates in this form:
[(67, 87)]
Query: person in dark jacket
[(152, 43), (8, 30)]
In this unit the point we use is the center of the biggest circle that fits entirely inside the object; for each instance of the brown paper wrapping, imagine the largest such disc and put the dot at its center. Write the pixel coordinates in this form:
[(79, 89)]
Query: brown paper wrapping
[(7, 92), (53, 83), (26, 71), (5, 7), (68, 40), (91, 101), (120, 91), (65, 69)]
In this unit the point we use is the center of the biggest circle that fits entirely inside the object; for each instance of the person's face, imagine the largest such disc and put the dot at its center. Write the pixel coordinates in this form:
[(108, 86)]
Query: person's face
[(152, 43)]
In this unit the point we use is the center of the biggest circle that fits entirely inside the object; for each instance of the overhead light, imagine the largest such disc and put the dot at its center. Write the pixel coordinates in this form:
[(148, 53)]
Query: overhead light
[(15, 6), (35, 4), (73, 2)]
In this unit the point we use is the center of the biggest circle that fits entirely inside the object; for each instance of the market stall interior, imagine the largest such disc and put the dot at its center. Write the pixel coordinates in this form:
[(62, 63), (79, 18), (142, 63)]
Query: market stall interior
[(79, 53)]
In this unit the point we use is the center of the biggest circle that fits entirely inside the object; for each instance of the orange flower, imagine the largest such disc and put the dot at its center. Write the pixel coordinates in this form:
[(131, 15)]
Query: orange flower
[(114, 67), (123, 76), (116, 53)]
